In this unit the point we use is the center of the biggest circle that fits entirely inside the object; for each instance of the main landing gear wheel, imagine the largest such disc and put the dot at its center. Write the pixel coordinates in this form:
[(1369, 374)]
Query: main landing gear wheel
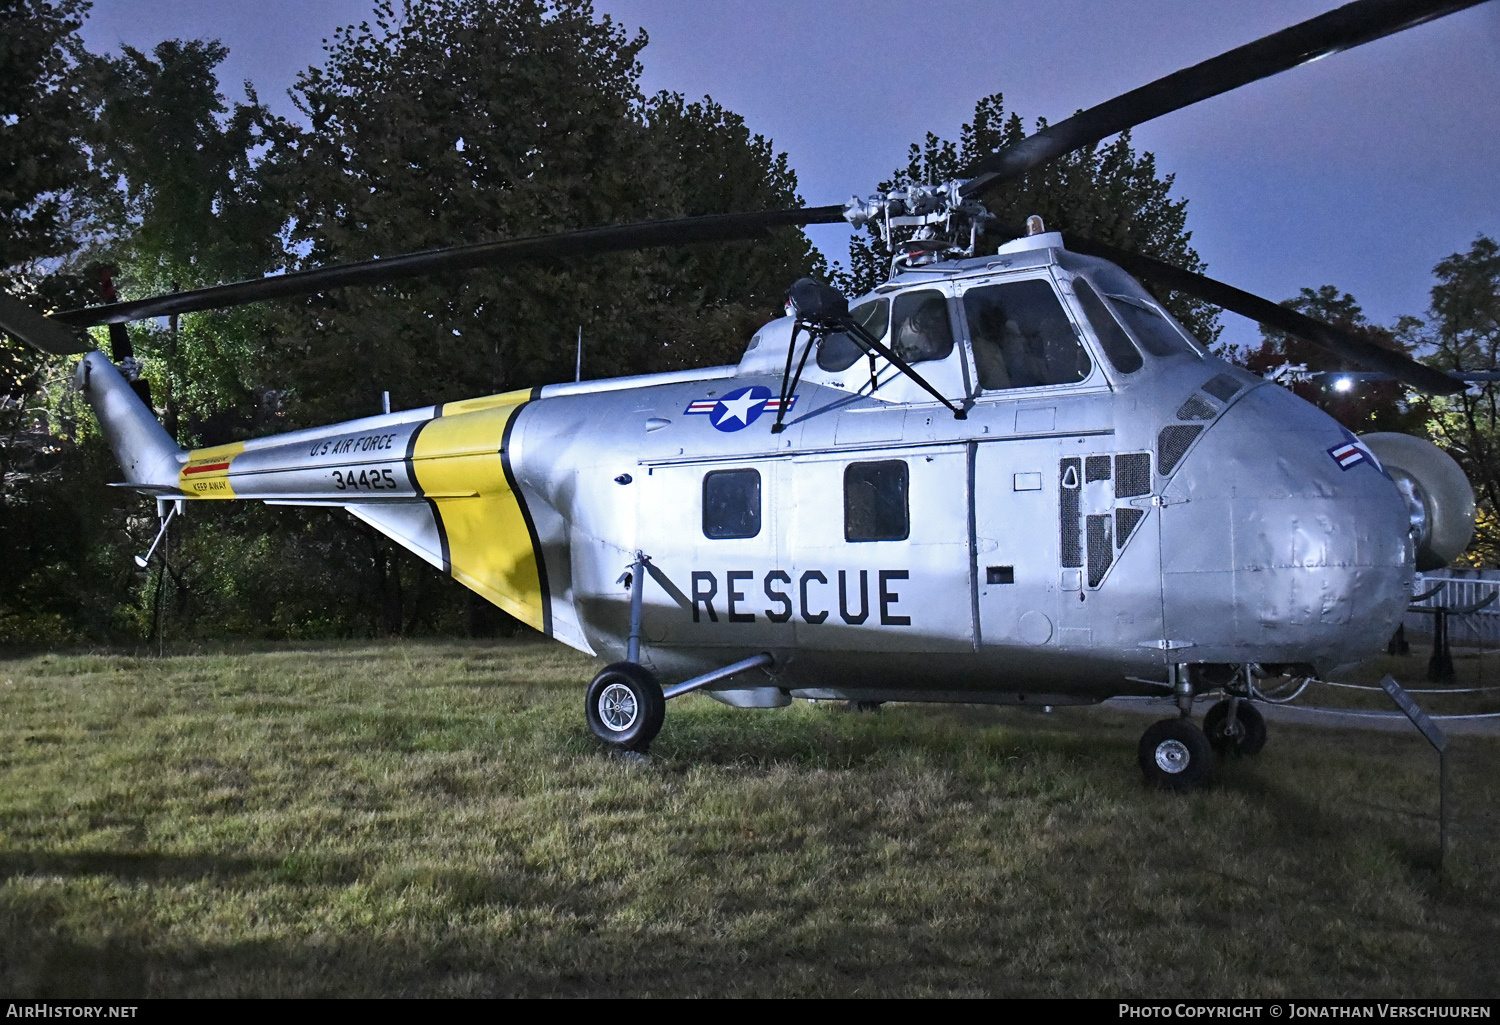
[(625, 706), (1246, 738), (1175, 755)]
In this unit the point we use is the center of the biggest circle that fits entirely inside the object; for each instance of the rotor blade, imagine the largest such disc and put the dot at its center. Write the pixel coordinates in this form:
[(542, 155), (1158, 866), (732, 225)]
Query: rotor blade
[(39, 332), (1340, 29), (585, 242), (1341, 343)]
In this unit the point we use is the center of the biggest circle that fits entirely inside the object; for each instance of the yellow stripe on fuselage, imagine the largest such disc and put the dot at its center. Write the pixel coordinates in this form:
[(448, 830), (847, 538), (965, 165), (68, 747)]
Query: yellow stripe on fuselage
[(489, 544), (206, 473)]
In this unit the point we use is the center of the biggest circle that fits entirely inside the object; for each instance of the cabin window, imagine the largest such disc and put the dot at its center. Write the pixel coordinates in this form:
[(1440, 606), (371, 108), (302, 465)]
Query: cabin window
[(1117, 346), (1022, 338), (920, 327), (875, 501), (731, 503), (840, 352)]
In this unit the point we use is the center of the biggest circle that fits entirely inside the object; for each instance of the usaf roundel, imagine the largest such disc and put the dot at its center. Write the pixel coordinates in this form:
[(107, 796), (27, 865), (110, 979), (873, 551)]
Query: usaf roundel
[(738, 409)]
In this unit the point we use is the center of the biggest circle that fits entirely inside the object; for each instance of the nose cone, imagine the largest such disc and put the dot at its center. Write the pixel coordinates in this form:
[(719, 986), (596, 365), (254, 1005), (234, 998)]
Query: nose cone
[(1276, 550)]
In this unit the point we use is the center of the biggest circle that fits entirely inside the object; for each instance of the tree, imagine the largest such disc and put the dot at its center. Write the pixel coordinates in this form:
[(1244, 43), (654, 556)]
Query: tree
[(713, 298), (1463, 332), (1106, 193), (440, 122), (40, 121), (178, 184), (179, 170), (44, 164), (450, 121), (63, 531), (461, 120), (455, 121), (1372, 405)]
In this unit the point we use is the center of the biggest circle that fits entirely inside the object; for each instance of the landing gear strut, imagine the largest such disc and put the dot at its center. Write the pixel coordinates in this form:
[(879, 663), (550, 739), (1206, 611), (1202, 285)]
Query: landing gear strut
[(625, 704), (1182, 690)]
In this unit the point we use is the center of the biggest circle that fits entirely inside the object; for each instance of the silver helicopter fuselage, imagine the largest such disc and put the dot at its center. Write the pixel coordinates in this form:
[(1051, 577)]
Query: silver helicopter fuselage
[(1064, 542)]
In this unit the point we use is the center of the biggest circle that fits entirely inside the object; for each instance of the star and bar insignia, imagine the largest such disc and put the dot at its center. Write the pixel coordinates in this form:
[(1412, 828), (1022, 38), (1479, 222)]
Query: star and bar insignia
[(740, 408)]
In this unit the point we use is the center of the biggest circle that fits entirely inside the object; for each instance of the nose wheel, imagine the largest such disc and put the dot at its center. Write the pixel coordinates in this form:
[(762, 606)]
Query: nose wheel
[(625, 706), (1174, 754)]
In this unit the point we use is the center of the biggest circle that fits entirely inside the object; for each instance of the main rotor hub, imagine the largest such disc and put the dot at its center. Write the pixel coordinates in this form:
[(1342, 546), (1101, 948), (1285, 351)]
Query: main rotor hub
[(939, 213)]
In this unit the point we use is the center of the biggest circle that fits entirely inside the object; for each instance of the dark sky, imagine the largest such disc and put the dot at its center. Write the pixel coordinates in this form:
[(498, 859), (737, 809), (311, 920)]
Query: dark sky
[(1360, 170)]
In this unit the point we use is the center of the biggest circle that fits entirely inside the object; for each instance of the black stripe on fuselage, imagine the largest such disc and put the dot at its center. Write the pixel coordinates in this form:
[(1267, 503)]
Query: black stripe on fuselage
[(411, 475), (515, 489)]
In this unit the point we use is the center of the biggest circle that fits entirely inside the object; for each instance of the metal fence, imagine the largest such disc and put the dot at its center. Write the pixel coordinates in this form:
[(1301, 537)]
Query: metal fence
[(1461, 587)]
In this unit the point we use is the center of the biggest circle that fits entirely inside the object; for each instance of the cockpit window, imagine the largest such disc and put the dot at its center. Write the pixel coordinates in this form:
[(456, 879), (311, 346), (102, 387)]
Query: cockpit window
[(1022, 338), (1121, 289), (838, 351), (1117, 345), (1157, 335), (920, 328)]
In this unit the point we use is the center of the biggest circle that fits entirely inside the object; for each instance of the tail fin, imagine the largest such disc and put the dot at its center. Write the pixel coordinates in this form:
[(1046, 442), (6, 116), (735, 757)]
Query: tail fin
[(142, 446)]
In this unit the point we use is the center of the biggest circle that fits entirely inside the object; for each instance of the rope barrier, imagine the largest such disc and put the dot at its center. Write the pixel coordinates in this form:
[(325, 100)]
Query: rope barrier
[(1431, 690), (1360, 713), (1390, 715)]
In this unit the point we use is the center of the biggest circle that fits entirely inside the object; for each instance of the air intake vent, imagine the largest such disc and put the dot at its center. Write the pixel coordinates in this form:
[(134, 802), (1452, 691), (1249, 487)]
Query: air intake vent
[(1132, 474), (1101, 551), (1068, 493), (1222, 387), (1196, 409), (1096, 468), (1171, 443), (1125, 522)]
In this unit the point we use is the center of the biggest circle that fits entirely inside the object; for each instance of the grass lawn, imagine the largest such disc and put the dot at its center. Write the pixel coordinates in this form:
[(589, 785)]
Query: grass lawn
[(435, 818)]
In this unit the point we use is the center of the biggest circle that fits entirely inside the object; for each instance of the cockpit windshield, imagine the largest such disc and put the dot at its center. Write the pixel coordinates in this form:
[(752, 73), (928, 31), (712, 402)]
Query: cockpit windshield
[(838, 351), (919, 325), (1157, 332), (1021, 336), (1118, 347)]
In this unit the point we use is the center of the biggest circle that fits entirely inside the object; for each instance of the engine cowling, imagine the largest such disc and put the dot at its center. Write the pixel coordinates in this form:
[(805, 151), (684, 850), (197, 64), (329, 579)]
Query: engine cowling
[(1437, 494)]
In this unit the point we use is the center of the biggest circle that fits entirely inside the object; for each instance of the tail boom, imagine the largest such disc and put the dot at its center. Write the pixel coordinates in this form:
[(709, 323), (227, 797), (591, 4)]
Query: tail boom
[(437, 480)]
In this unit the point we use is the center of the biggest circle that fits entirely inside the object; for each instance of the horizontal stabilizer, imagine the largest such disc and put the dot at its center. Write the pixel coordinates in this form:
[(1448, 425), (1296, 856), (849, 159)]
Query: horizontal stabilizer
[(155, 490), (410, 524)]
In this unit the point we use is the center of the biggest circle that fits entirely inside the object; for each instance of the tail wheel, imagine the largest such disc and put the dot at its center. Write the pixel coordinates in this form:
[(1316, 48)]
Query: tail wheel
[(1175, 755), (625, 707), (1246, 737)]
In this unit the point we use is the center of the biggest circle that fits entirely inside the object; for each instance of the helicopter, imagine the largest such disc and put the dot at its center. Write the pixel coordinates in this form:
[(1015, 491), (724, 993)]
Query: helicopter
[(1006, 476)]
